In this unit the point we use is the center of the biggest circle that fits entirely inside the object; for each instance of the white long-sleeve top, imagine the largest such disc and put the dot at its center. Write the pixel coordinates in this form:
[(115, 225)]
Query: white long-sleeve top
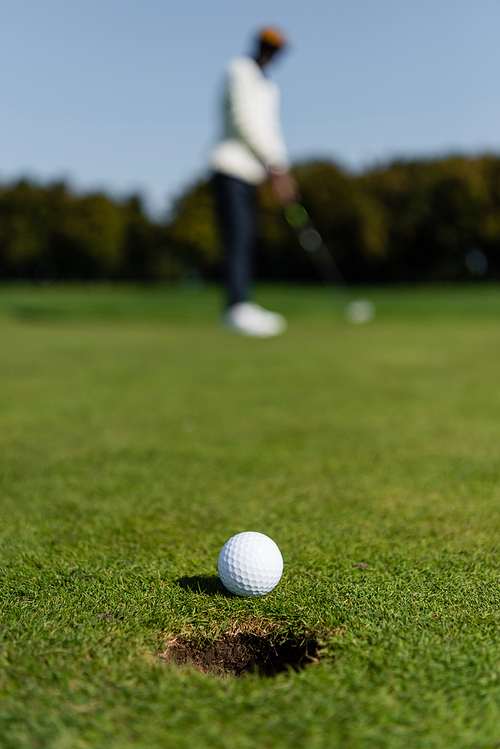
[(252, 140)]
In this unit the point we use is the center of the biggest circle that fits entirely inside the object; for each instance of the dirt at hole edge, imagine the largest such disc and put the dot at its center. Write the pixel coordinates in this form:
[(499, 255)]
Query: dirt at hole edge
[(242, 652)]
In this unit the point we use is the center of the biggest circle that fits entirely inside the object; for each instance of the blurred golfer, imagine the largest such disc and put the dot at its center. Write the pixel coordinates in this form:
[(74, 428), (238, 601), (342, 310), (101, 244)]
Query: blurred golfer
[(250, 151)]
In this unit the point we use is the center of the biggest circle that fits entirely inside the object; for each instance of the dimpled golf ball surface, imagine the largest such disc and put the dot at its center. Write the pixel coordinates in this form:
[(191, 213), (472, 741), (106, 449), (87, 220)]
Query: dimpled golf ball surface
[(250, 564)]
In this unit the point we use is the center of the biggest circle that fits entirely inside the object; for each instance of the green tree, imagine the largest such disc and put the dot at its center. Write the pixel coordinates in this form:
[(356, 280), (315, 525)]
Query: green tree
[(192, 230)]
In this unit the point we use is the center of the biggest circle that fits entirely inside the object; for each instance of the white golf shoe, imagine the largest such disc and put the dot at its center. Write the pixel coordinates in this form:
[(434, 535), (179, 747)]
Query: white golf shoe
[(250, 319)]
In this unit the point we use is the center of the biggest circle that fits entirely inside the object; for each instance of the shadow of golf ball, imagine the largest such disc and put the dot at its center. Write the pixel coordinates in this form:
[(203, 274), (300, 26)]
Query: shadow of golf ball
[(359, 312)]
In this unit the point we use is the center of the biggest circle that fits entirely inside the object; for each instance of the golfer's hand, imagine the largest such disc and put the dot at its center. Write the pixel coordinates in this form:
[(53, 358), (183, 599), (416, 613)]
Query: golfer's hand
[(285, 187)]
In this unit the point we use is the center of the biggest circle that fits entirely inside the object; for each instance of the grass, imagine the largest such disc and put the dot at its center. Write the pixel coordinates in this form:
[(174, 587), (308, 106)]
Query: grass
[(347, 445)]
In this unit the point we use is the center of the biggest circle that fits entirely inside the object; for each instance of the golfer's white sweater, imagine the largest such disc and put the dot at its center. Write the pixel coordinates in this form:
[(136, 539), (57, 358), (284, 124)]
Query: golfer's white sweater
[(252, 141)]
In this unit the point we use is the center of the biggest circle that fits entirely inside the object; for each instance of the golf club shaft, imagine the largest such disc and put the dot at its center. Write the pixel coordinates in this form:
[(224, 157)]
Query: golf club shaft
[(319, 254)]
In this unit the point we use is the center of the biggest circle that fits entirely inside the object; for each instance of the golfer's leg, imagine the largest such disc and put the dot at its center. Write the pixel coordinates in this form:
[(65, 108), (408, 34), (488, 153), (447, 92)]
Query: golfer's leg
[(236, 207)]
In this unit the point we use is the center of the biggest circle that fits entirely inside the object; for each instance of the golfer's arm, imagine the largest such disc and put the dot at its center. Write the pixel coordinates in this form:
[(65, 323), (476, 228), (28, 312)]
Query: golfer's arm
[(263, 138)]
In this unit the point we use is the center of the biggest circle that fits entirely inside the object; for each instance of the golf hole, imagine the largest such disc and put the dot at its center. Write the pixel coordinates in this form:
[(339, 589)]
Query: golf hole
[(240, 652)]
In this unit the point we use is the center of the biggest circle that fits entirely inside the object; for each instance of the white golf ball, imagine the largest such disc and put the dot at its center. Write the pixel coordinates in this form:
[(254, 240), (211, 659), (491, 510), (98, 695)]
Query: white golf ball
[(359, 311), (250, 564)]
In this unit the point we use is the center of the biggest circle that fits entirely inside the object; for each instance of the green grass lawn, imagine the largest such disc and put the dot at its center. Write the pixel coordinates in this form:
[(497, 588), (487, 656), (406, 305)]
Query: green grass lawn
[(376, 445)]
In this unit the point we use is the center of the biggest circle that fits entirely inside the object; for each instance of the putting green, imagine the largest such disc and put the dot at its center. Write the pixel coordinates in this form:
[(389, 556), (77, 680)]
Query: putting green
[(136, 438)]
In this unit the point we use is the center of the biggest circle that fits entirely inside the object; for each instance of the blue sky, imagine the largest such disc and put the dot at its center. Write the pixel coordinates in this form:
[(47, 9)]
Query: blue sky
[(121, 94)]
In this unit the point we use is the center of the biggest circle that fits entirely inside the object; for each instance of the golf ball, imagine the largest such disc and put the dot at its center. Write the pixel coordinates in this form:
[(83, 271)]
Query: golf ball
[(250, 564), (359, 311)]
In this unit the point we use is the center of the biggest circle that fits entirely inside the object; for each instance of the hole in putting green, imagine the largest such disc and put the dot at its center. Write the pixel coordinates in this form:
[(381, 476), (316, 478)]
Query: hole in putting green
[(238, 652)]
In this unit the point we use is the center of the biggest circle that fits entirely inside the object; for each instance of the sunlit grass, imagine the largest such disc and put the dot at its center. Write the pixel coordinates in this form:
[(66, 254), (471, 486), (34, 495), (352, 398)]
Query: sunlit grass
[(373, 445)]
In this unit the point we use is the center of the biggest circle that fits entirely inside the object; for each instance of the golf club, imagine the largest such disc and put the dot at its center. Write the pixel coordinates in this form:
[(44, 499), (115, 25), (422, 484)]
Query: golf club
[(354, 311)]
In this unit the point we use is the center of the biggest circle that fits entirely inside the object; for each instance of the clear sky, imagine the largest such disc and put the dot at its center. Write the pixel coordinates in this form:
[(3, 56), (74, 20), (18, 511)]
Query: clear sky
[(121, 94)]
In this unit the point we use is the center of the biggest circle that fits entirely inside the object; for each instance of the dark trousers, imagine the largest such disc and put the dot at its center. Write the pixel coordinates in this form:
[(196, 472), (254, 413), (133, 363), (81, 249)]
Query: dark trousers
[(237, 214)]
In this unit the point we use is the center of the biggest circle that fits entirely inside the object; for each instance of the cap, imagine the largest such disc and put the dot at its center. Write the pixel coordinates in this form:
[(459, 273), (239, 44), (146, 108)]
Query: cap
[(273, 37)]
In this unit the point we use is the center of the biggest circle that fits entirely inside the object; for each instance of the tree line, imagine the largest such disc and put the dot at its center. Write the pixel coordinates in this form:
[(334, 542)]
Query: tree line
[(409, 221)]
